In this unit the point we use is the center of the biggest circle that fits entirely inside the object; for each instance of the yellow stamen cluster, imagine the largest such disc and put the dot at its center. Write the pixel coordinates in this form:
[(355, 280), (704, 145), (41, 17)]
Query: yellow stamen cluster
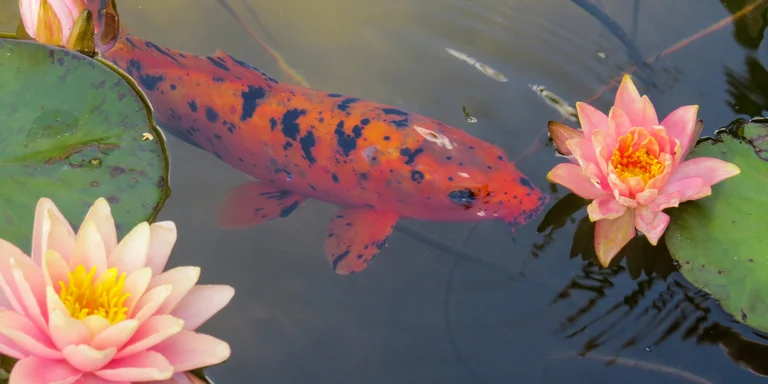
[(635, 163), (104, 297)]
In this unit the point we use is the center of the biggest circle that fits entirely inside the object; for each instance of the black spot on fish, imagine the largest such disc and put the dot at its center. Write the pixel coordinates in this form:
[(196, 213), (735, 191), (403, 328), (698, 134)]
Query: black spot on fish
[(410, 155), (386, 138), (346, 103), (449, 158), (192, 106), (217, 136), (161, 51), (335, 178), (251, 99), (289, 209), (173, 87), (347, 142), (211, 114), (130, 41), (501, 158), (290, 122), (217, 79), (394, 111), (417, 176), (526, 183), (365, 121), (148, 82), (334, 95), (287, 145), (218, 155), (217, 63), (400, 123), (230, 126), (339, 258), (272, 123), (380, 244), (307, 143), (277, 195)]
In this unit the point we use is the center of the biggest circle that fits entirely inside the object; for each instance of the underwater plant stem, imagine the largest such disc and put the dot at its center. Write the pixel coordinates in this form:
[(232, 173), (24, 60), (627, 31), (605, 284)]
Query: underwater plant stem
[(279, 59)]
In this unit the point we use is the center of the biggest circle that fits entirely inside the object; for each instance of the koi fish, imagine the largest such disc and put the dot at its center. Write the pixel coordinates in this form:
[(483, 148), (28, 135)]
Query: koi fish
[(377, 162)]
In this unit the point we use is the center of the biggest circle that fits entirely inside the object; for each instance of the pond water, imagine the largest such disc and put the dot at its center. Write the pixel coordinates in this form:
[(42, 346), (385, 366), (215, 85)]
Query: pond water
[(453, 302)]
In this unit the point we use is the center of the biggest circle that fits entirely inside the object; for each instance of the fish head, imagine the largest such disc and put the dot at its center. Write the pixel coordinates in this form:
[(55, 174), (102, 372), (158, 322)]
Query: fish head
[(467, 179)]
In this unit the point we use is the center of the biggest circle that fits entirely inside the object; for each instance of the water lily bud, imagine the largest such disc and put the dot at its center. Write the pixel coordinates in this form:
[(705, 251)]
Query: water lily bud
[(51, 21), (83, 34)]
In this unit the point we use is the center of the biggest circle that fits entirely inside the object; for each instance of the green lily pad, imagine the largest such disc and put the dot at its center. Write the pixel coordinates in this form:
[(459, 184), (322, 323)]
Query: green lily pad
[(721, 241), (74, 130)]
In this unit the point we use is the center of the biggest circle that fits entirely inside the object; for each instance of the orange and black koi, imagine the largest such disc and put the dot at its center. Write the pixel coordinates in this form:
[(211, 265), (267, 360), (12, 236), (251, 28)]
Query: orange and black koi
[(378, 162)]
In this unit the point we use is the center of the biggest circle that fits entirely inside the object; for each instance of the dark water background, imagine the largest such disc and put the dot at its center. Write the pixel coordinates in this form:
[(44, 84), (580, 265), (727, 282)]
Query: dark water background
[(462, 303)]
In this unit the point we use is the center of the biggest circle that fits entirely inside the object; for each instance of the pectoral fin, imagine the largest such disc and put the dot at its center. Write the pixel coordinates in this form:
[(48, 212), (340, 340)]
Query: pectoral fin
[(355, 237), (253, 203)]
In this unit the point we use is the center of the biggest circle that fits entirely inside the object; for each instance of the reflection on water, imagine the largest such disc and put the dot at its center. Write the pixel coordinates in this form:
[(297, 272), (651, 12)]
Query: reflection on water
[(456, 303)]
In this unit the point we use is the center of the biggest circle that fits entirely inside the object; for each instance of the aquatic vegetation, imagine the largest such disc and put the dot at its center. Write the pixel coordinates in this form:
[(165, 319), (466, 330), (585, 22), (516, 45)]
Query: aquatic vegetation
[(84, 306), (632, 167), (720, 241), (73, 131), (64, 23)]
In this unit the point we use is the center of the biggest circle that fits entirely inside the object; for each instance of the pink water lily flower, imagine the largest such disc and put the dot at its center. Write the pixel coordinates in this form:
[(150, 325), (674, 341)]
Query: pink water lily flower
[(632, 167), (87, 309)]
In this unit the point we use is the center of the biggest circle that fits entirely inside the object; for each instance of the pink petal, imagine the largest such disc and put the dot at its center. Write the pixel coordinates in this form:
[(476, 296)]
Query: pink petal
[(9, 348), (627, 96), (681, 124), (96, 324), (66, 330), (710, 169), (591, 119), (89, 378), (136, 284), (143, 366), (692, 188), (149, 304), (646, 197), (604, 144), (619, 122), (55, 269), (201, 303), (131, 253), (651, 223), (38, 370), (86, 358), (570, 176), (152, 332), (163, 237), (605, 207), (27, 336), (51, 231), (89, 249), (101, 214), (53, 301), (647, 114), (560, 134), (694, 137), (22, 283), (617, 186), (190, 350), (65, 17), (660, 134), (182, 279), (115, 336), (29, 12), (612, 235)]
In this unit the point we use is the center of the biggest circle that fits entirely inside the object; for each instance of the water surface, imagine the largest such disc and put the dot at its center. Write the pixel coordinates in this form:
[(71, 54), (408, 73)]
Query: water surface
[(451, 302)]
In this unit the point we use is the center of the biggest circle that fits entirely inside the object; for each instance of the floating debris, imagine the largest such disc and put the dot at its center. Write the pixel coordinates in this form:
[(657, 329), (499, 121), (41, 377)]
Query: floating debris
[(147, 136), (567, 110), (488, 71), (468, 116)]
